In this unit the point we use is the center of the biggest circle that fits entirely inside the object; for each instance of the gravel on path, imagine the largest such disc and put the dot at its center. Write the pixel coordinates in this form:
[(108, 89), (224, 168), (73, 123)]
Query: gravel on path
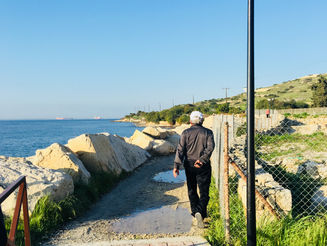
[(137, 208)]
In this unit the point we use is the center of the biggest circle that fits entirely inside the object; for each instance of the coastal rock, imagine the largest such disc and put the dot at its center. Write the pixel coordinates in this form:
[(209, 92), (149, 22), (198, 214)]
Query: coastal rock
[(96, 153), (142, 140), (173, 139), (129, 156), (208, 122), (155, 132), (58, 156), (181, 128), (162, 147), (40, 182)]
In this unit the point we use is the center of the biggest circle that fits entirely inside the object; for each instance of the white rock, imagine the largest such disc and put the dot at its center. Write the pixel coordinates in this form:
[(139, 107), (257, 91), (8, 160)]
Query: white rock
[(129, 156), (181, 128), (262, 178), (156, 132), (307, 129), (60, 157), (291, 164), (173, 139), (142, 140), (96, 153), (208, 122), (319, 198), (162, 147), (313, 169), (40, 182)]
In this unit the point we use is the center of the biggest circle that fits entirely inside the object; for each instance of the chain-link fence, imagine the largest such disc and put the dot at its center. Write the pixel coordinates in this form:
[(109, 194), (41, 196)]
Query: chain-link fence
[(290, 178)]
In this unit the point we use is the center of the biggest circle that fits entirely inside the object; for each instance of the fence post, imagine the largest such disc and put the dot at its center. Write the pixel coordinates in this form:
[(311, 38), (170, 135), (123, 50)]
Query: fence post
[(226, 185)]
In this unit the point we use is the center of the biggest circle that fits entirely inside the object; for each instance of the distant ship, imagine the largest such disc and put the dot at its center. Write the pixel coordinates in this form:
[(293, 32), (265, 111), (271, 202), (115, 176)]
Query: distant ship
[(97, 118), (62, 118)]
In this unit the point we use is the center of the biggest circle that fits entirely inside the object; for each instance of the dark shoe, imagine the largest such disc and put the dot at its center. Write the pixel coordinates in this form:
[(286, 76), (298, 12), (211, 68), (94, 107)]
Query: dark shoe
[(199, 220)]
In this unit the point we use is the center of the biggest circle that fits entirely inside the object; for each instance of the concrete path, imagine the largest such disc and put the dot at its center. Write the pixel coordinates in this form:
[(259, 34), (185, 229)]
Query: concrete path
[(177, 241)]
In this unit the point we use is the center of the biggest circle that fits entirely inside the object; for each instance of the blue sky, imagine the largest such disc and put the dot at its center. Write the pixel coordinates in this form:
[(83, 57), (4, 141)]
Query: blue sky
[(108, 58)]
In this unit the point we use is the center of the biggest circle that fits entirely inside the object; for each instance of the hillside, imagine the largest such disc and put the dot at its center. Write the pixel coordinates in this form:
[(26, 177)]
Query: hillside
[(290, 94)]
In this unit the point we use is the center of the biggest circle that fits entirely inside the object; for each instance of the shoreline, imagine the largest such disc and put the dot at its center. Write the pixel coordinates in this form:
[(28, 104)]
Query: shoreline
[(143, 123)]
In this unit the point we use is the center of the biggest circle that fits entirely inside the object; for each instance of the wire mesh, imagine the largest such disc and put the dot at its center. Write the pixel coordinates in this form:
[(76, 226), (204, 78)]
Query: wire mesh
[(291, 177)]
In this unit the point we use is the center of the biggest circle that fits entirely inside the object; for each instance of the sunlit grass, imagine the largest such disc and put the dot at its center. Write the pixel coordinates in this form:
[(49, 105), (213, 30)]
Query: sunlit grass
[(288, 231), (49, 215)]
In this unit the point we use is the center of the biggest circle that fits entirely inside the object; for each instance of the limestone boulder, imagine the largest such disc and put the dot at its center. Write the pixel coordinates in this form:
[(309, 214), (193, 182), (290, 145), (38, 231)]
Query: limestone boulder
[(319, 198), (162, 147), (313, 169), (173, 139), (277, 196), (40, 182), (96, 152), (156, 132), (208, 122), (128, 156), (181, 128), (307, 129), (142, 140), (60, 157)]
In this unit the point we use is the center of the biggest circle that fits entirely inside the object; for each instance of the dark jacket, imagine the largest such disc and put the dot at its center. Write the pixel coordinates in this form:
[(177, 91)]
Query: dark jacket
[(196, 143)]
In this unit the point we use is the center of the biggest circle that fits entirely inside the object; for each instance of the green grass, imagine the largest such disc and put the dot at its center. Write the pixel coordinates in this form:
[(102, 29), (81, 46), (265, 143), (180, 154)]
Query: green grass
[(49, 215), (288, 231), (215, 233), (314, 142)]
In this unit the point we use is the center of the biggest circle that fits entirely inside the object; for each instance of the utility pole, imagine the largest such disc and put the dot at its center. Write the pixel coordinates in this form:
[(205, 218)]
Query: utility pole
[(193, 99), (173, 102), (159, 107), (226, 89)]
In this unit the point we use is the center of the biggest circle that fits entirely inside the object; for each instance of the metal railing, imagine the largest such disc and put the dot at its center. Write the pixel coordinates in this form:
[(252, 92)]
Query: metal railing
[(21, 200)]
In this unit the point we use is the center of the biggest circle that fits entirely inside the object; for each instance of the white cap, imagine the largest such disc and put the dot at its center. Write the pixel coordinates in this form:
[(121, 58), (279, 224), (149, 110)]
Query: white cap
[(196, 117)]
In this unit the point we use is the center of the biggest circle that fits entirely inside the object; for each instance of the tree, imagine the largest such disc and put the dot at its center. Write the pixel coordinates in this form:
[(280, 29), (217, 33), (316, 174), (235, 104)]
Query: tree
[(223, 108), (319, 97)]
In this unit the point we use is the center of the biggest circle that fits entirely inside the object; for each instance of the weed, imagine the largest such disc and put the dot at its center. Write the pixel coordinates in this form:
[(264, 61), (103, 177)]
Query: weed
[(49, 215)]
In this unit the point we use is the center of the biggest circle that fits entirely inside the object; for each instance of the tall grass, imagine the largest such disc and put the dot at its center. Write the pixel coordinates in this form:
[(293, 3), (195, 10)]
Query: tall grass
[(288, 231), (49, 215)]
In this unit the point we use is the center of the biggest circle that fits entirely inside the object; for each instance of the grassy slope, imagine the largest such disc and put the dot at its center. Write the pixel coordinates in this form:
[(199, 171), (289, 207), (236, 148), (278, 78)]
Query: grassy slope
[(297, 89)]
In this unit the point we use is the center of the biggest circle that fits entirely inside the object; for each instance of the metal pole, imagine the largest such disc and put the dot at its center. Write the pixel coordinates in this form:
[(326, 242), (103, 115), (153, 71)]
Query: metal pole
[(226, 185), (251, 216)]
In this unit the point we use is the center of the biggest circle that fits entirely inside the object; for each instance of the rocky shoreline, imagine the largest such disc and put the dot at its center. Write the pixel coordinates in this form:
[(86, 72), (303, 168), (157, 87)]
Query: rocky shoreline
[(55, 170), (144, 123)]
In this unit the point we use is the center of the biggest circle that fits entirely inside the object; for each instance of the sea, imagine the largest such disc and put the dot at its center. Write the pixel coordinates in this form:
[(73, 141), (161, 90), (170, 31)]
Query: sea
[(21, 138)]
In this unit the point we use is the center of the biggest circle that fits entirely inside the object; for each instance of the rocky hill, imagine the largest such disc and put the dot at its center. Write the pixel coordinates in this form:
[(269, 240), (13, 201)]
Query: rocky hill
[(295, 93)]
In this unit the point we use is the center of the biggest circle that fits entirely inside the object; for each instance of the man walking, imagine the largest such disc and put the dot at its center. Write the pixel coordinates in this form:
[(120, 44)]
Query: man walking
[(194, 150)]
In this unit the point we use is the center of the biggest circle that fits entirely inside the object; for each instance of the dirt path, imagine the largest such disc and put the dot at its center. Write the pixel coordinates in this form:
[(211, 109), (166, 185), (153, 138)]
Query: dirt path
[(138, 207)]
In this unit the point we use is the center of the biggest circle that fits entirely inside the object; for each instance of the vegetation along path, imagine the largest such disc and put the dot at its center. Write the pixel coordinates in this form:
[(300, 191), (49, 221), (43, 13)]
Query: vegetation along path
[(142, 206)]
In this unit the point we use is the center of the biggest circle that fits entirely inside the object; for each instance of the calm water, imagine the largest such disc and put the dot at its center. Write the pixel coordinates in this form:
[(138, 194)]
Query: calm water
[(22, 137)]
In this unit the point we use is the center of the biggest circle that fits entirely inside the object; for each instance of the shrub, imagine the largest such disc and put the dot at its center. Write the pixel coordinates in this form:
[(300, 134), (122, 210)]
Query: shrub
[(223, 108), (183, 119), (241, 130)]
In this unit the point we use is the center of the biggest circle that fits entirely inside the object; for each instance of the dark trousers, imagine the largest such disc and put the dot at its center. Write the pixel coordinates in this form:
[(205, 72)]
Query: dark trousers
[(198, 177), (3, 235)]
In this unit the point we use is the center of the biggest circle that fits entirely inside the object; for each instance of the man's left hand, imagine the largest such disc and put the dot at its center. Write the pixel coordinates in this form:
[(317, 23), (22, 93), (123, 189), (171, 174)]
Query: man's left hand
[(198, 164)]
